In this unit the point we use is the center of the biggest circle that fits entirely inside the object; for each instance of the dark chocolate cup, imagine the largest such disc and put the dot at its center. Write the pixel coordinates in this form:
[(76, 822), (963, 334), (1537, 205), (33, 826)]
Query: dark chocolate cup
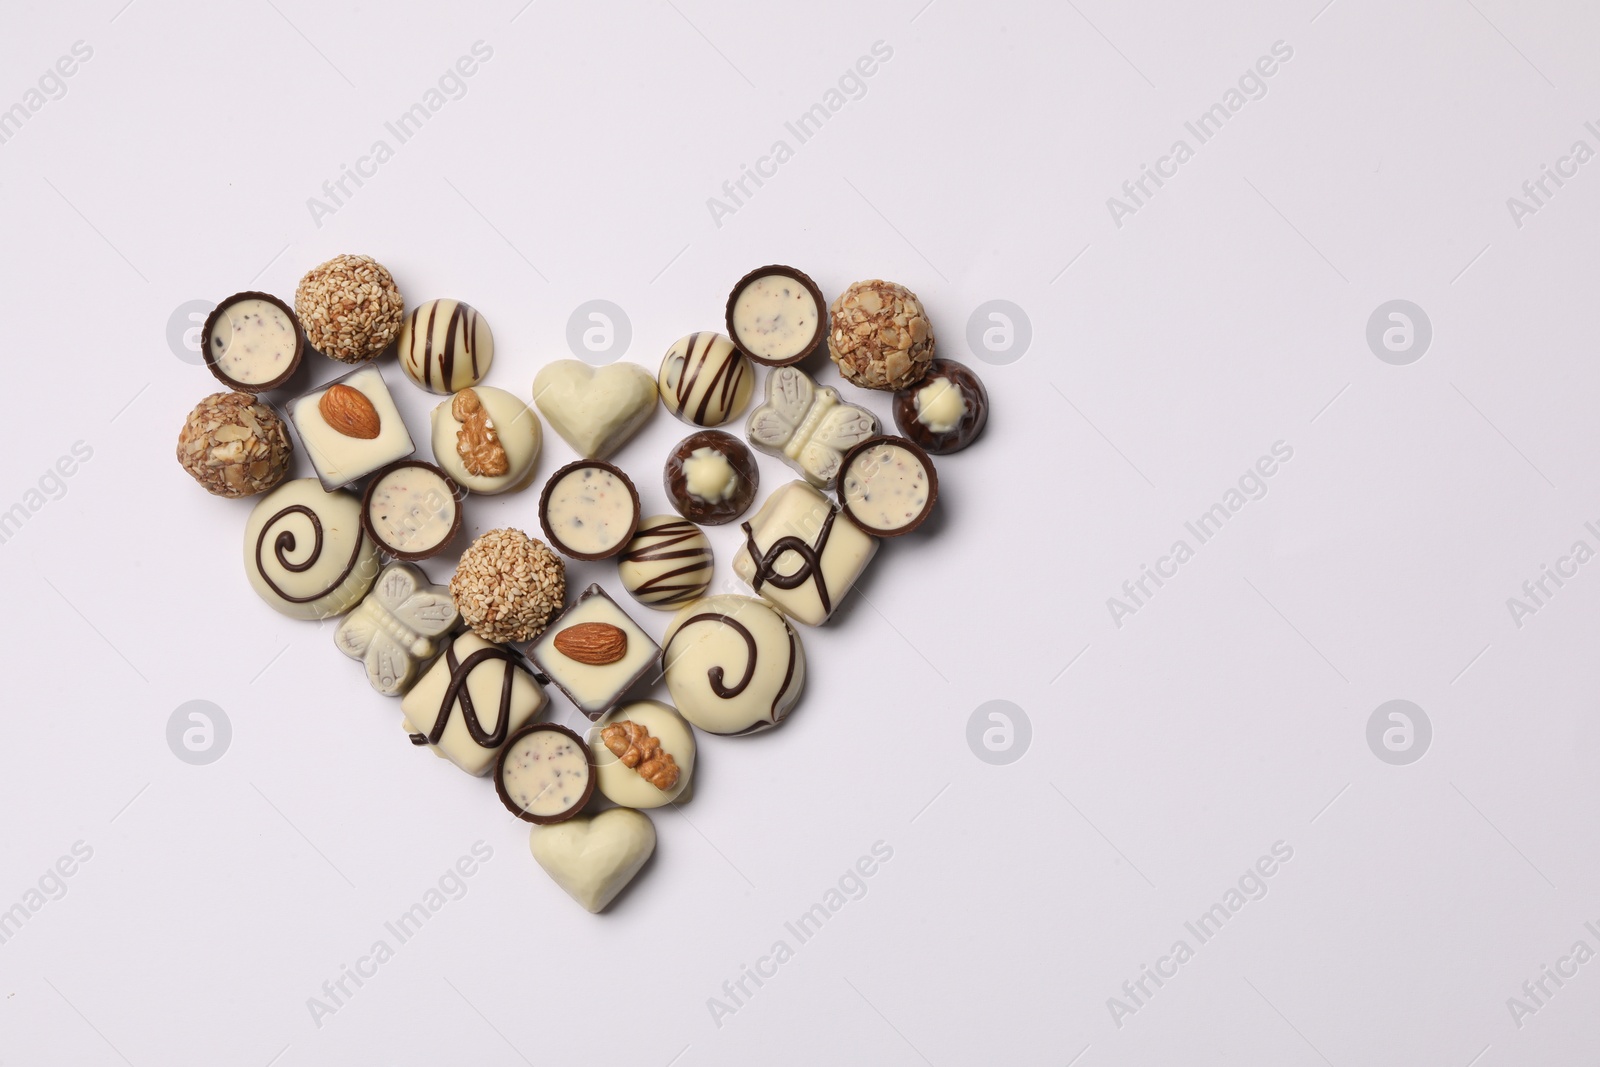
[(259, 387), (457, 494), (739, 457), (528, 816), (816, 294), (967, 430), (927, 465), (544, 505)]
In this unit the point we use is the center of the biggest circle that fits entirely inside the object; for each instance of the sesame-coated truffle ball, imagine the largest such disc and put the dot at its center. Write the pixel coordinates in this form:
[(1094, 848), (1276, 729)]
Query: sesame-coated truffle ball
[(508, 585), (349, 308)]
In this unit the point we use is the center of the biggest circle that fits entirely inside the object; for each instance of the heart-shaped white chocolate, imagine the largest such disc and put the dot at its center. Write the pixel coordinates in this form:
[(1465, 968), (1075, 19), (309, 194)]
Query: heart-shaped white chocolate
[(594, 409), (594, 857)]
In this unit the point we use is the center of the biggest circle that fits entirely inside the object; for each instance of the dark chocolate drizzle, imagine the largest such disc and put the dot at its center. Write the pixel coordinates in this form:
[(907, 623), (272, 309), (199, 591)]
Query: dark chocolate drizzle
[(810, 560), (284, 543), (460, 671), (672, 534)]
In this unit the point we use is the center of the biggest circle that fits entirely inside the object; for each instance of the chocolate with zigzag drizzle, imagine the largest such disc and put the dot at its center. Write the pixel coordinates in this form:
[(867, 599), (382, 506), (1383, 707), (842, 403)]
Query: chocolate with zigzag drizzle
[(473, 697)]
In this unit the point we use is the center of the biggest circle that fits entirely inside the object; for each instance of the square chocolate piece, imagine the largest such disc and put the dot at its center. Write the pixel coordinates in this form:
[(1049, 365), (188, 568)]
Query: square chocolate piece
[(801, 554), (472, 699), (350, 427), (595, 653)]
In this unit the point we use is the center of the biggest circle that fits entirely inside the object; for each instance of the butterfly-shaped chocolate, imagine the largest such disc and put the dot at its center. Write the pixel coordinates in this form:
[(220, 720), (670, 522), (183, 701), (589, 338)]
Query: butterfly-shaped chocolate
[(808, 427), (394, 630)]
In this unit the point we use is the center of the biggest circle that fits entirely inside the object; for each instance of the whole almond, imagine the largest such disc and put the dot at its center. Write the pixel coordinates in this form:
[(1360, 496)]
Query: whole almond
[(350, 412), (593, 643)]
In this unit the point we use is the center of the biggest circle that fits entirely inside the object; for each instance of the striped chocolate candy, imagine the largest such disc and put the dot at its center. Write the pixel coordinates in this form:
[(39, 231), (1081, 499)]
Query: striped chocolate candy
[(705, 380), (445, 346), (667, 564)]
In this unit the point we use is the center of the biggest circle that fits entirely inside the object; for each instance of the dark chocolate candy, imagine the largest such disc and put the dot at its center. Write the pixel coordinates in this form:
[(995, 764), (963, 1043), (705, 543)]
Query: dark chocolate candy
[(881, 492), (965, 430), (698, 509), (592, 527), (208, 347)]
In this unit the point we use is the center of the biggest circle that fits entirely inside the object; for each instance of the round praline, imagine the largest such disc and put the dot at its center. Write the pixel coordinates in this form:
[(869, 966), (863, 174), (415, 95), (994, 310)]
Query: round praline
[(946, 411), (711, 477)]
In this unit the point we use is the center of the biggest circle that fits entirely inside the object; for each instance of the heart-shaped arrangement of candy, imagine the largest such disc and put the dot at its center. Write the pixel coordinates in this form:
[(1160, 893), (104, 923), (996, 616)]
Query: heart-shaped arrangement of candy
[(471, 661)]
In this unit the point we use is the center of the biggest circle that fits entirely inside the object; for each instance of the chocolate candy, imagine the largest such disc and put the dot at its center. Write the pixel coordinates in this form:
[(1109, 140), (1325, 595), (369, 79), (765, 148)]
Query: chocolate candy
[(349, 307), (798, 555), (445, 346), (593, 858), (946, 411), (305, 552), (594, 410), (808, 427), (711, 477), (879, 335), (705, 380), (507, 585), (486, 439), (234, 445), (775, 315), (888, 486), (350, 427), (589, 510), (644, 754), (733, 664), (594, 652), (394, 630), (252, 342), (471, 701), (545, 773), (667, 564), (411, 509)]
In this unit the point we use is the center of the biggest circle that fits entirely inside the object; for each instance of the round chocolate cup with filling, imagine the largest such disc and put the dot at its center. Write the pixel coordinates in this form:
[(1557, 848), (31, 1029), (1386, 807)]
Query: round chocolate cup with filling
[(544, 510), (859, 453), (412, 554), (967, 428), (210, 357), (518, 810), (819, 328), (675, 478)]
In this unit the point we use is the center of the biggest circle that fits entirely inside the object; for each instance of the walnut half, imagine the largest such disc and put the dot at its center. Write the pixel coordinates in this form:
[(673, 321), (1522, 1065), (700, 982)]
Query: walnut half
[(633, 745), (477, 442)]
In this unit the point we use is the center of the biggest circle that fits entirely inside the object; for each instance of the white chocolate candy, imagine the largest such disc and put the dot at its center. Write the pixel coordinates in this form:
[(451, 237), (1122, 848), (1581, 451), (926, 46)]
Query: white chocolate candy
[(305, 552), (515, 427), (808, 428), (801, 554), (595, 687), (667, 564), (253, 341), (886, 488), (445, 346), (624, 785), (471, 700), (594, 410), (544, 774), (339, 457), (411, 510), (589, 511), (592, 858), (733, 664), (394, 631), (775, 318), (705, 380)]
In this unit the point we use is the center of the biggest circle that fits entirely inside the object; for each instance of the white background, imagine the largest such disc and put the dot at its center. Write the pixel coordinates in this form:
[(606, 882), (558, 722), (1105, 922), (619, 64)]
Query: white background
[(1167, 354)]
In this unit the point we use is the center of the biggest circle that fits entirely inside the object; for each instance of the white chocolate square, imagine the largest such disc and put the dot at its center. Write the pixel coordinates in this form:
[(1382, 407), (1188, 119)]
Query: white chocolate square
[(595, 689), (800, 512), (337, 458), (484, 684)]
